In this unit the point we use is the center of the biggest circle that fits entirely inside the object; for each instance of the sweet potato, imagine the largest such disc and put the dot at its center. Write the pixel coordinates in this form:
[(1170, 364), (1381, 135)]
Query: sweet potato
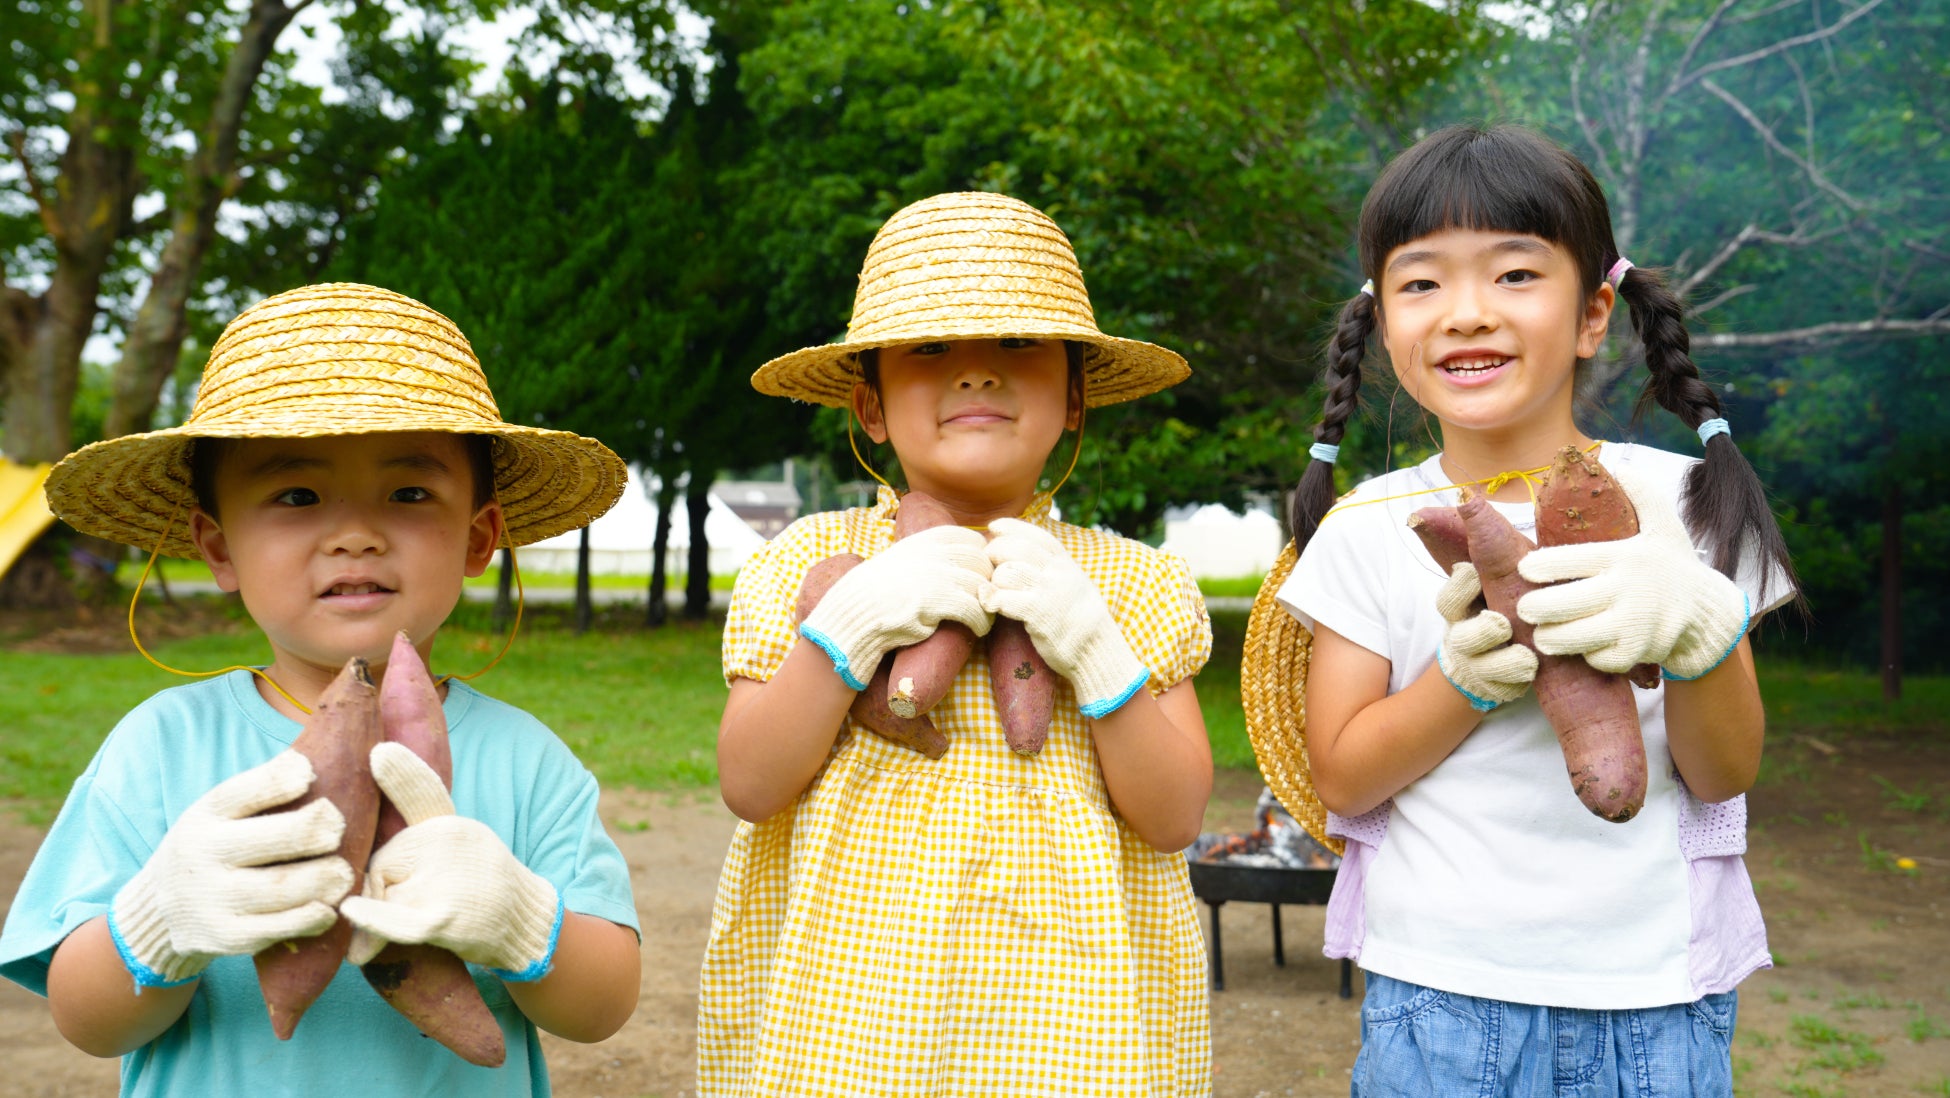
[(870, 705), (1580, 502), (338, 738), (923, 672), (429, 985), (1594, 713), (1024, 686)]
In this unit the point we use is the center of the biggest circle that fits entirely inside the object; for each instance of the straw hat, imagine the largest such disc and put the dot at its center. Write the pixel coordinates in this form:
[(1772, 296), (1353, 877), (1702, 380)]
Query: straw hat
[(1273, 692), (333, 359), (971, 266)]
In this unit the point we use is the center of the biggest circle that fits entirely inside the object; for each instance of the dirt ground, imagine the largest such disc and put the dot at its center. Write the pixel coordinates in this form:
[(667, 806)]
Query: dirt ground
[(1850, 852)]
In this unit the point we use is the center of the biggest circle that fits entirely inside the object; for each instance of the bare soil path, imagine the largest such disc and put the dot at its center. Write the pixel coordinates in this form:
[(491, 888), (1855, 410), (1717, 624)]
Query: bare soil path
[(1850, 851)]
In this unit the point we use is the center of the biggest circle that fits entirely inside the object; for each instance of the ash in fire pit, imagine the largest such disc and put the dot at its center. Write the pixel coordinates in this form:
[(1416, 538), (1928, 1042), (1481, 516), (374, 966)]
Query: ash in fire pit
[(1277, 843)]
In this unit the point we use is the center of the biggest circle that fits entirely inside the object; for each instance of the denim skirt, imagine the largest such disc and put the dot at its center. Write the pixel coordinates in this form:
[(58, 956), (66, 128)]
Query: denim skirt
[(1418, 1041)]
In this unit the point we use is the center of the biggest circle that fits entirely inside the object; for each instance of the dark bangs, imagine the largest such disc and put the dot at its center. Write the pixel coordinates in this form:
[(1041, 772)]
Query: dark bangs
[(1501, 179)]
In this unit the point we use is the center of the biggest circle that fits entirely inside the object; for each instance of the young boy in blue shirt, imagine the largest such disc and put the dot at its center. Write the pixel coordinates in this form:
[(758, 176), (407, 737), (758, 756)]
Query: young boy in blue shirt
[(343, 470)]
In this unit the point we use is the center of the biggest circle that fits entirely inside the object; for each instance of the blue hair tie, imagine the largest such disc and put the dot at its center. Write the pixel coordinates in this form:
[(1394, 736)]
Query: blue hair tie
[(1321, 451), (1714, 427)]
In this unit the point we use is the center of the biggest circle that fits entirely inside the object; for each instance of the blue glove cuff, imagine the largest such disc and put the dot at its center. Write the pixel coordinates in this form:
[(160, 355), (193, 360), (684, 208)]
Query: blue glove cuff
[(833, 650), (1106, 706), (1481, 705), (540, 967), (1746, 620), (144, 975)]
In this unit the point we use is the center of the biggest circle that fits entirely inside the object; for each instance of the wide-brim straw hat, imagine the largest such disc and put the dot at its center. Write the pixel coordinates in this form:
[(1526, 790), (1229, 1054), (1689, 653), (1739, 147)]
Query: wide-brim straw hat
[(972, 265), (333, 359), (1273, 692)]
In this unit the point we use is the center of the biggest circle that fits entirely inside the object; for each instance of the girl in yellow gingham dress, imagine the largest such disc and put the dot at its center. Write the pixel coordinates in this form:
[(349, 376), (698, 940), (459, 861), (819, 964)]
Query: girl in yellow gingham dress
[(917, 926), (983, 923)]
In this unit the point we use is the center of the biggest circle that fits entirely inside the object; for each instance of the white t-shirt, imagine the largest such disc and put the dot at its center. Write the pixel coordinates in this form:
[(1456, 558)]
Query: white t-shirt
[(1493, 879)]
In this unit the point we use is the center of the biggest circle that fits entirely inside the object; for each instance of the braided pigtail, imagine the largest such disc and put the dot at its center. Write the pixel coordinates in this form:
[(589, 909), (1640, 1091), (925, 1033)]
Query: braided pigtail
[(1315, 493), (1724, 498)]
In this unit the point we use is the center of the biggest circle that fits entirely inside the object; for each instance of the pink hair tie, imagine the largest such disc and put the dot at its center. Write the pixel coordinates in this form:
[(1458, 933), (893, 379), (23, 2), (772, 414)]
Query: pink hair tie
[(1617, 273)]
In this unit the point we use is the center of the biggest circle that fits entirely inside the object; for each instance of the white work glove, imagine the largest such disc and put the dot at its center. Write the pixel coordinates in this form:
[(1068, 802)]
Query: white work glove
[(1040, 585), (1477, 656), (449, 881), (1648, 598), (898, 597), (225, 880)]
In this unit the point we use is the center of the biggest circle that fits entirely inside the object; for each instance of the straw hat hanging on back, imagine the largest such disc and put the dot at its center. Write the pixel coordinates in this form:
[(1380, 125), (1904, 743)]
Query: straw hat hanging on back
[(1273, 693), (333, 359), (972, 265)]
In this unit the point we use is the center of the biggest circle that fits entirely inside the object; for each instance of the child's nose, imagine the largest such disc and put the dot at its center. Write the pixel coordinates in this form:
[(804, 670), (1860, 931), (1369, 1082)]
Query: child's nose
[(354, 533), (1469, 311)]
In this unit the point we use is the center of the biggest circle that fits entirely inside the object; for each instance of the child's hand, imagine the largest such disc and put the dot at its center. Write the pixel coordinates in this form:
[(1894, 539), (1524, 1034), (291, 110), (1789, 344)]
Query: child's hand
[(1648, 598), (1476, 654), (1040, 585), (449, 881), (899, 596), (212, 889)]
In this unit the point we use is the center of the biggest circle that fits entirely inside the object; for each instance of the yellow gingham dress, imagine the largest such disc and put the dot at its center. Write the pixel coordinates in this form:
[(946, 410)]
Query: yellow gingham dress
[(980, 924)]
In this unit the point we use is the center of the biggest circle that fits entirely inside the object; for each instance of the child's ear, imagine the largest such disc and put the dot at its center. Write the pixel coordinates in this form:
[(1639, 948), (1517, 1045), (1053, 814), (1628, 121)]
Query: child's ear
[(484, 536), (1596, 320), (866, 405), (210, 541)]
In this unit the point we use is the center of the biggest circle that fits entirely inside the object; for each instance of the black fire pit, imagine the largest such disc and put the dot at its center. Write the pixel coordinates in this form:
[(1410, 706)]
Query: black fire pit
[(1272, 865)]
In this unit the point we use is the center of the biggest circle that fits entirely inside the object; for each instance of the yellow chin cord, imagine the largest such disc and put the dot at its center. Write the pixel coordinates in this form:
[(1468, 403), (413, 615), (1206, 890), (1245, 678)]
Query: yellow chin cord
[(1532, 478), (150, 565), (1075, 452)]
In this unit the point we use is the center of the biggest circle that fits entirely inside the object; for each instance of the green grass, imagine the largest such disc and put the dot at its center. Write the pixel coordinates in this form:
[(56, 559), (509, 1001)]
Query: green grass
[(641, 706)]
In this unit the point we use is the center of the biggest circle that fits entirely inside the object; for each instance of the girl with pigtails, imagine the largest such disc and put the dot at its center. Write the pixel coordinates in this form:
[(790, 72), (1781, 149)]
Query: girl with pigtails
[(1514, 942)]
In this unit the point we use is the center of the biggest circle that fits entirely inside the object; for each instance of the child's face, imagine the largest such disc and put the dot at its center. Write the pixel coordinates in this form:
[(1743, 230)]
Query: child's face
[(1484, 328), (337, 543), (972, 419)]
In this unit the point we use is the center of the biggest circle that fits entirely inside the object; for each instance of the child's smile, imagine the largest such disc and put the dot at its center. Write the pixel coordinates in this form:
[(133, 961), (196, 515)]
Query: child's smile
[(1485, 327), (336, 543), (973, 420)]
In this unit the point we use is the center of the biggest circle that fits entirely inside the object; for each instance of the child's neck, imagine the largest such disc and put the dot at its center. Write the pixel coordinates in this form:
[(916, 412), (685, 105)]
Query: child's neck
[(979, 507), (1479, 455)]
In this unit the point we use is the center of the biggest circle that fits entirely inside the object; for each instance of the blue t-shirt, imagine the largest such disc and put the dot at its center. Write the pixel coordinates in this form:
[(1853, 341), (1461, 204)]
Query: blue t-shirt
[(510, 772)]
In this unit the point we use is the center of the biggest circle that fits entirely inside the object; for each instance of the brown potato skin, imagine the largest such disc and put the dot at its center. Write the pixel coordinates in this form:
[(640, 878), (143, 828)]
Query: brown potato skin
[(1580, 502), (338, 738), (870, 705), (429, 985), (1024, 686), (1594, 713), (923, 672)]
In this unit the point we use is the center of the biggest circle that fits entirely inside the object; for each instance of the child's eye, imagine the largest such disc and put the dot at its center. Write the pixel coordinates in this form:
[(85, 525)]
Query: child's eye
[(296, 497), (1517, 278), (938, 347), (1418, 285), (411, 494)]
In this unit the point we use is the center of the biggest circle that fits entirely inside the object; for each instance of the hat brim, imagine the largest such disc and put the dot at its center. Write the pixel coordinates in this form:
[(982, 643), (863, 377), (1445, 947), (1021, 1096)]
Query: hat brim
[(1114, 370), (136, 489), (1273, 693)]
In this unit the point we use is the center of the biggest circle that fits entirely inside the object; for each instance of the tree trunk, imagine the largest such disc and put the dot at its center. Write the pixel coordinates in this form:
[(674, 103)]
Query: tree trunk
[(155, 340), (1892, 590), (582, 582), (697, 584), (504, 591), (658, 609)]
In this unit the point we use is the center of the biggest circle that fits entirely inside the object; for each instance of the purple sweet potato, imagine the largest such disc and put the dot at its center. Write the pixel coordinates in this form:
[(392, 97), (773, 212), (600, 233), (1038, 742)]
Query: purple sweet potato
[(1594, 713), (870, 705), (1024, 686), (338, 738), (1580, 502), (429, 985), (923, 672)]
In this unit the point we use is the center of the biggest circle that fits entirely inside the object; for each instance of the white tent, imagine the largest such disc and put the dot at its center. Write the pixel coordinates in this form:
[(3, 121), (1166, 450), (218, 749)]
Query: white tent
[(1222, 544), (619, 541)]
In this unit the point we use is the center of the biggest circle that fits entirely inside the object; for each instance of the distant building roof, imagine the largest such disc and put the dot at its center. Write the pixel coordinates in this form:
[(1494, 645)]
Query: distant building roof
[(756, 493)]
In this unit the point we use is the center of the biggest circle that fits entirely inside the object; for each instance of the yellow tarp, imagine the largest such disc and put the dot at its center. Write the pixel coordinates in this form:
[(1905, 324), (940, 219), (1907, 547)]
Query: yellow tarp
[(23, 509)]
